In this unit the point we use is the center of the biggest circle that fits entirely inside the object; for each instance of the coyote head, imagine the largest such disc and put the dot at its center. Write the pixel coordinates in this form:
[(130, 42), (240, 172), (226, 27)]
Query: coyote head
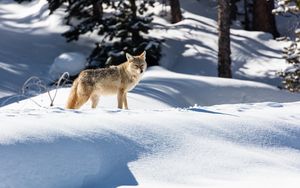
[(137, 64)]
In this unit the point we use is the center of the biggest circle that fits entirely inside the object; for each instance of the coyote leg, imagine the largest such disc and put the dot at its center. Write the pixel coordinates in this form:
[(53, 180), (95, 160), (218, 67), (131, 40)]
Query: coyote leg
[(83, 95), (125, 105), (95, 100), (81, 100), (120, 98)]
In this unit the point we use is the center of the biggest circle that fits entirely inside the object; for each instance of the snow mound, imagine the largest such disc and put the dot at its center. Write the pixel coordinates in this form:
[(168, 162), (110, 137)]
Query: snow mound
[(181, 130), (160, 88), (71, 62), (242, 145)]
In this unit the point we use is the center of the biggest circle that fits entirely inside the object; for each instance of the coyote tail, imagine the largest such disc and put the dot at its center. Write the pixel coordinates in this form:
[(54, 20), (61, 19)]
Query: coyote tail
[(72, 100)]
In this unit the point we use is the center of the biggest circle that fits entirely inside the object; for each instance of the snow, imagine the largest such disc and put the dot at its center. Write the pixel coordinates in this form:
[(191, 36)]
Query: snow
[(155, 143), (30, 41), (185, 128), (255, 56), (71, 62), (216, 146)]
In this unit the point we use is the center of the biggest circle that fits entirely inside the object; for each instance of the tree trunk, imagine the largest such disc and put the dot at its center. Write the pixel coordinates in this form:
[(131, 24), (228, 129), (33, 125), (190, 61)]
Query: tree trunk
[(176, 15), (233, 10), (246, 16), (263, 19), (97, 9), (224, 61)]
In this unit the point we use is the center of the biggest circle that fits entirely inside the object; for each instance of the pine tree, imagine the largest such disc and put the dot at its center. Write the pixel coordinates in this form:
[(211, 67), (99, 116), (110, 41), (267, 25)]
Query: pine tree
[(291, 76), (122, 29), (224, 61), (126, 27)]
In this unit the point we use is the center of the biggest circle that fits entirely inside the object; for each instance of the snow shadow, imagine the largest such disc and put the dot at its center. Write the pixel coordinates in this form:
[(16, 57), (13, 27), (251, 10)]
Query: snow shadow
[(28, 49), (40, 15), (203, 62), (201, 110), (101, 162), (10, 99), (203, 8), (16, 69), (280, 137), (184, 92), (261, 136)]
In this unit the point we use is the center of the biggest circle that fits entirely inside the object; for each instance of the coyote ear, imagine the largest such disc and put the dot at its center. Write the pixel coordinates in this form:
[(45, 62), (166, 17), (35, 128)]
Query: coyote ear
[(143, 55), (129, 57)]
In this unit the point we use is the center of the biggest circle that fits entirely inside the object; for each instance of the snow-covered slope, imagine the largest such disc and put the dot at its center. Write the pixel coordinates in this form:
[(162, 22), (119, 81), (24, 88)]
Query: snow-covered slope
[(161, 88), (193, 43), (242, 145), (30, 41), (155, 144), (182, 130)]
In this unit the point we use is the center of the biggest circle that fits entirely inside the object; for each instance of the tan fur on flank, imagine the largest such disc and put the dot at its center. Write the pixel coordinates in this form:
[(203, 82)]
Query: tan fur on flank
[(115, 80)]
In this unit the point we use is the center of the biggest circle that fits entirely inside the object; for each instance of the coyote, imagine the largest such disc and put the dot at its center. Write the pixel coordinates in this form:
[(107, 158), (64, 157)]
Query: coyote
[(91, 84)]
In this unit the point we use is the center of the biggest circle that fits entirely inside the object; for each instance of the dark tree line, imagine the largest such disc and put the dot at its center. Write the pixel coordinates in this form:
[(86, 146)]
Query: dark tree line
[(125, 28), (256, 15), (122, 29), (122, 26)]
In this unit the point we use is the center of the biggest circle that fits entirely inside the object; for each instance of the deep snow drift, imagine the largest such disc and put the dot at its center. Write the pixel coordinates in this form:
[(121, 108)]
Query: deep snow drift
[(219, 146), (155, 144), (185, 129)]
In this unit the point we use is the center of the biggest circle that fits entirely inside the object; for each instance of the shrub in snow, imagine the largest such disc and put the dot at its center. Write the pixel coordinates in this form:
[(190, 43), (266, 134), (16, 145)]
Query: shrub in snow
[(287, 6), (71, 62), (291, 76)]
